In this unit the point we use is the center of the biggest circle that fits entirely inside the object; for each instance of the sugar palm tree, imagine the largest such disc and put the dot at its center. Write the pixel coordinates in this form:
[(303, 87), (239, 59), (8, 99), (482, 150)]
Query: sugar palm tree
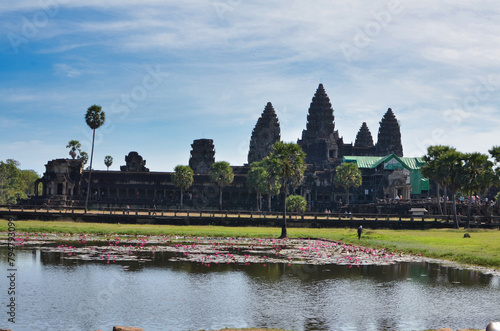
[(221, 174), (74, 145), (94, 118), (84, 157), (286, 164), (108, 161), (182, 178)]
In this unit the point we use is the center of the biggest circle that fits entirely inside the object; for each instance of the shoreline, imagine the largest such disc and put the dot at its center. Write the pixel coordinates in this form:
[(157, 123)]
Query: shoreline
[(479, 249), (220, 250)]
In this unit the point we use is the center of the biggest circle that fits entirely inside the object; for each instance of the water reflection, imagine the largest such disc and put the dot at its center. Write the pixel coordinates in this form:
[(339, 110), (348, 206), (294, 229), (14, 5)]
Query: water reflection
[(156, 294)]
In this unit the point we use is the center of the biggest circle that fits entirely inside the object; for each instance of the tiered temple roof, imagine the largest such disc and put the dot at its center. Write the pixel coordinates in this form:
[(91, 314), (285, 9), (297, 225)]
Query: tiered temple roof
[(202, 156), (264, 135), (389, 135), (319, 139), (134, 162), (364, 137)]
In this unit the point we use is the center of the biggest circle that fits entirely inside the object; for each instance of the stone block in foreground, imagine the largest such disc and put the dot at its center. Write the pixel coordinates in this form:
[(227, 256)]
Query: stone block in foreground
[(126, 328)]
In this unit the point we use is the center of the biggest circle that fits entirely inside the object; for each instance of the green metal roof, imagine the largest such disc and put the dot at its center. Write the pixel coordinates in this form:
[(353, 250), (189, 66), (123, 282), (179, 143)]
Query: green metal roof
[(413, 164), (371, 162)]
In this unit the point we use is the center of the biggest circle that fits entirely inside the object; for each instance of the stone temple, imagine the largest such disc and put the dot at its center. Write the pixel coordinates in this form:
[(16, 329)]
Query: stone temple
[(386, 173), (265, 134)]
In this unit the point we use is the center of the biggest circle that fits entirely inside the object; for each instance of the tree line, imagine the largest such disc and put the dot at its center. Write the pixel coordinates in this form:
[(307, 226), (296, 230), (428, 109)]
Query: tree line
[(466, 174), (278, 173), (15, 183)]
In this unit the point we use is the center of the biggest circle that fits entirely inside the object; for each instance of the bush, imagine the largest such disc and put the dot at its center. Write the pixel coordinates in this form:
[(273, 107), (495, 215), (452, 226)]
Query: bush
[(296, 203)]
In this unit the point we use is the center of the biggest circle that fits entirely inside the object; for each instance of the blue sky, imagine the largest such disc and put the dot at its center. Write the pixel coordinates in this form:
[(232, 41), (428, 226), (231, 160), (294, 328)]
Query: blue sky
[(169, 72)]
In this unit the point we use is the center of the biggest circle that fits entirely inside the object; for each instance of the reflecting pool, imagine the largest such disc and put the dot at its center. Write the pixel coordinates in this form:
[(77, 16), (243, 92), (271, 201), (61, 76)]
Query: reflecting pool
[(55, 293)]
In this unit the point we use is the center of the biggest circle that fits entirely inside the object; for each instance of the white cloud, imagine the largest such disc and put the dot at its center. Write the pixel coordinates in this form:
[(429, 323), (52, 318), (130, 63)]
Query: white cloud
[(225, 63), (66, 70)]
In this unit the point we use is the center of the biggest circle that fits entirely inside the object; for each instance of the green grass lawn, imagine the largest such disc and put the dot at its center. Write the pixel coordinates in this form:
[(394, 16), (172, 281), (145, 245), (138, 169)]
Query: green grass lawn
[(482, 249)]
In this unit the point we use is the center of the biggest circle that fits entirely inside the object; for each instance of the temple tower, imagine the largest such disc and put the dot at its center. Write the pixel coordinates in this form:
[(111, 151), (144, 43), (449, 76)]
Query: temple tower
[(202, 156), (134, 162), (364, 137), (265, 134), (319, 139), (389, 135)]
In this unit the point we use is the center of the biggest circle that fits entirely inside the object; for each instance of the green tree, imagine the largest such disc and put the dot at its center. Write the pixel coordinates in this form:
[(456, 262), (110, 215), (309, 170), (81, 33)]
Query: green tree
[(495, 154), (183, 178), (273, 189), (9, 178), (108, 161), (452, 162), (257, 180), (435, 170), (296, 203), (73, 145), (27, 179), (14, 182), (347, 175), (286, 164), (260, 180), (271, 186), (222, 175), (84, 157), (477, 176), (94, 118)]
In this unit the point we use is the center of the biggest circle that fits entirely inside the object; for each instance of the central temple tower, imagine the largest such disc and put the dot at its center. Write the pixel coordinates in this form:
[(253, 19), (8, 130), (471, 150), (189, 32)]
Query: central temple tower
[(319, 139)]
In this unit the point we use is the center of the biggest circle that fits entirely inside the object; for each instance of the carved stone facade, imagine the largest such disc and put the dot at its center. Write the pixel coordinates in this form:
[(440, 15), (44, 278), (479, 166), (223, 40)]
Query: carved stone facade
[(319, 140), (399, 184), (325, 148), (202, 156), (134, 185), (61, 182), (363, 145), (62, 177), (364, 137), (265, 134), (134, 162), (389, 135)]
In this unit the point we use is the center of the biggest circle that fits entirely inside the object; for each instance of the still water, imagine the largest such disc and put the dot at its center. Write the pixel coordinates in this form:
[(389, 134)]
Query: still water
[(59, 294)]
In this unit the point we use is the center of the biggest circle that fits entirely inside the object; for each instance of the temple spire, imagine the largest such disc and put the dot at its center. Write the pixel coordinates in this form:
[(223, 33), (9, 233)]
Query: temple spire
[(202, 156), (364, 137), (389, 135), (319, 139), (320, 120), (265, 134)]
